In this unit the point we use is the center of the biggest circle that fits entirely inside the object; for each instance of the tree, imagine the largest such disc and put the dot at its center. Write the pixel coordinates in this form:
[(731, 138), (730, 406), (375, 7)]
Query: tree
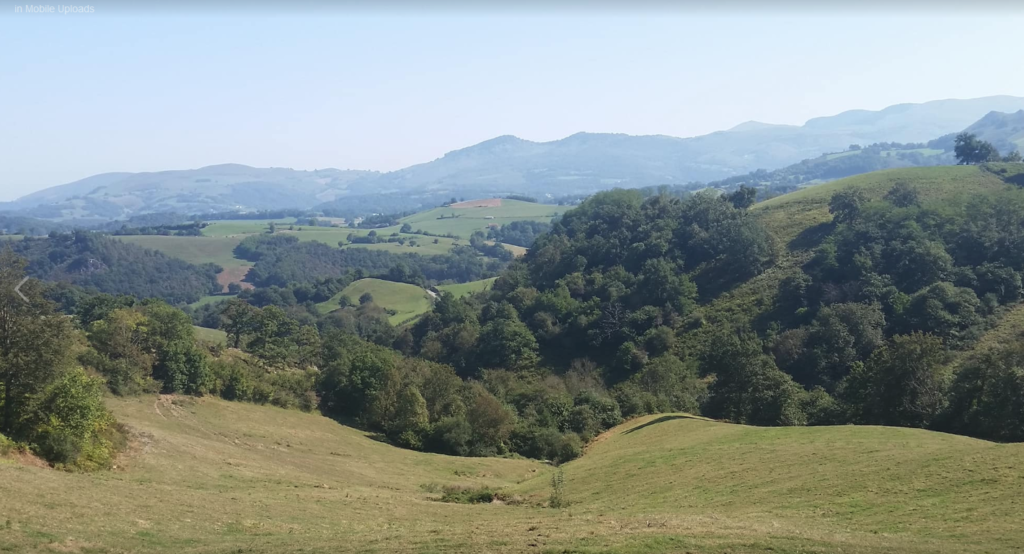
[(272, 228), (748, 387), (234, 288), (903, 195), (743, 198), (904, 383), (238, 319), (35, 343), (1013, 157), (121, 348), (183, 369), (507, 343), (970, 150), (987, 397), (365, 298), (68, 421), (845, 205)]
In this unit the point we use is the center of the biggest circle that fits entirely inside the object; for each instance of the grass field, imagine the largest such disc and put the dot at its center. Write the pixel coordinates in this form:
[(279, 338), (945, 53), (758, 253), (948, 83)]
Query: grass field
[(196, 250), (469, 220), (462, 289), (210, 335), (242, 227), (220, 237), (209, 476), (211, 299), (408, 301)]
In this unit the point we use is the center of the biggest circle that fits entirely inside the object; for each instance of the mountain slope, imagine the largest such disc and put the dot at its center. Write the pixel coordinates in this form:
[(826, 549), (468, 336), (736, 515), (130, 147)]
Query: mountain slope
[(579, 164), (586, 162), (212, 188), (1004, 130)]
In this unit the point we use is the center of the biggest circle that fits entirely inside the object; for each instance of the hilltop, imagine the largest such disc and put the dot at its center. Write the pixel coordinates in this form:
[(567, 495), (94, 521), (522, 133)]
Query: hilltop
[(209, 475), (1004, 130)]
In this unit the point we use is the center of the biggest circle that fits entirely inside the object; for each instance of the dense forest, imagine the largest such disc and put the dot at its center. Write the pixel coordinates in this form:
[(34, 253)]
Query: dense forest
[(97, 262)]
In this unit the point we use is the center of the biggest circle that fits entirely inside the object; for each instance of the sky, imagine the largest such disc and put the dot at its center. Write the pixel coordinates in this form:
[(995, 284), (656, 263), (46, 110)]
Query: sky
[(125, 90)]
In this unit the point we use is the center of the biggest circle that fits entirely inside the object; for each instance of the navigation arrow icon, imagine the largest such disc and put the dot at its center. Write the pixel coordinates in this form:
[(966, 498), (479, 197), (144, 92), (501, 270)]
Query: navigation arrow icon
[(19, 292)]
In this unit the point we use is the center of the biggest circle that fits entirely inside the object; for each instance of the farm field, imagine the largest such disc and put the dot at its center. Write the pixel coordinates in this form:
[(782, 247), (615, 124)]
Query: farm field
[(463, 221), (408, 301), (195, 250), (221, 237), (236, 227), (199, 250), (207, 475)]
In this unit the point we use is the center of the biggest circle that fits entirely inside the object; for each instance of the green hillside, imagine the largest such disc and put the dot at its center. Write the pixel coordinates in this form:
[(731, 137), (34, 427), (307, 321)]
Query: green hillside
[(408, 301), (800, 219), (462, 289), (1004, 130), (206, 475), (790, 214)]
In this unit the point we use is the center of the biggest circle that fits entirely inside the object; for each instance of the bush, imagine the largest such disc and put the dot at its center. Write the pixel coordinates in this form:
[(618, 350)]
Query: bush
[(466, 495), (71, 423), (450, 435)]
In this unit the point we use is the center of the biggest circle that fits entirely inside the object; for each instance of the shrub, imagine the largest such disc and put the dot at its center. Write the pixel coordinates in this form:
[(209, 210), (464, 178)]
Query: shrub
[(70, 422)]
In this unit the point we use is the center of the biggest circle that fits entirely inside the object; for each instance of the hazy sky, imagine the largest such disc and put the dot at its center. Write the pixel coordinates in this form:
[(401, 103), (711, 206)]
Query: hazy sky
[(86, 94)]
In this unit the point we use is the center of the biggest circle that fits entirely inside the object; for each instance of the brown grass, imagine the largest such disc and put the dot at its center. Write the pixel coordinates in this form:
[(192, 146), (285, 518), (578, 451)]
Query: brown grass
[(481, 203)]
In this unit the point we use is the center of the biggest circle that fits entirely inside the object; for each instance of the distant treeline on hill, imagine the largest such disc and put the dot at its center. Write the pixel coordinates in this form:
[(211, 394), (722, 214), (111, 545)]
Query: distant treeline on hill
[(95, 261), (194, 229)]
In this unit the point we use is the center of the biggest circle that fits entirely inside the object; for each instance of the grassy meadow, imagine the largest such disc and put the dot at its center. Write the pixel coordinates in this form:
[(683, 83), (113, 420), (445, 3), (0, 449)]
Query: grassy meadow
[(466, 220), (206, 475), (462, 289), (408, 301), (211, 335)]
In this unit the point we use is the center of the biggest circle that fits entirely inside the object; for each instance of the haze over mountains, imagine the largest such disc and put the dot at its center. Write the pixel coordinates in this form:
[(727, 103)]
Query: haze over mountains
[(579, 164)]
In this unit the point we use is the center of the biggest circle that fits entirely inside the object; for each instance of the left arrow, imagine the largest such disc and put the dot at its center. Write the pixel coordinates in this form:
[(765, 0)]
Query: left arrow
[(16, 289)]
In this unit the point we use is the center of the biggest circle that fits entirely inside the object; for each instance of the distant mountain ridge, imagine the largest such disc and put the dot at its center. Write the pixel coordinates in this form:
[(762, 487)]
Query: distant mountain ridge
[(1004, 130), (578, 164)]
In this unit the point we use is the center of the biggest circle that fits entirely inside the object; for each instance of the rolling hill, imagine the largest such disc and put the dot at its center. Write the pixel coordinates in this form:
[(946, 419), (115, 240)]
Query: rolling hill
[(213, 188), (1004, 130), (407, 301), (579, 164), (206, 475)]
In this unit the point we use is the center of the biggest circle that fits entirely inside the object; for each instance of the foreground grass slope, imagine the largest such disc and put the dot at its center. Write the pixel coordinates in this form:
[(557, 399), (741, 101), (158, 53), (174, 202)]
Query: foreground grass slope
[(848, 489), (212, 476)]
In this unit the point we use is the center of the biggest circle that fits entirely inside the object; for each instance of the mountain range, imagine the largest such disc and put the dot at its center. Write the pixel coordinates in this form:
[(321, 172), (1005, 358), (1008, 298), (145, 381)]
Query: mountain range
[(579, 164)]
